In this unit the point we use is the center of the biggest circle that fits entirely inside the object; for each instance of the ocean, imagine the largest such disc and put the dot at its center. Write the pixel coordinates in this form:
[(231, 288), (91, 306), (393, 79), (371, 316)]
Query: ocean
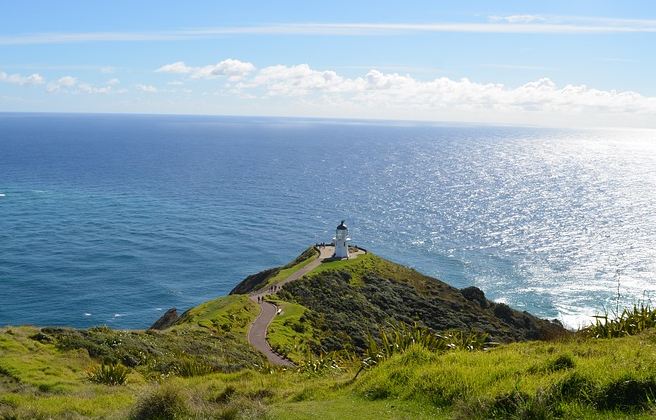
[(113, 219)]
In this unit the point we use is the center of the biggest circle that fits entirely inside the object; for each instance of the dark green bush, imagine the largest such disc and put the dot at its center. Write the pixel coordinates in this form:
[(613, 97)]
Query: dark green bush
[(503, 311), (519, 405), (628, 394)]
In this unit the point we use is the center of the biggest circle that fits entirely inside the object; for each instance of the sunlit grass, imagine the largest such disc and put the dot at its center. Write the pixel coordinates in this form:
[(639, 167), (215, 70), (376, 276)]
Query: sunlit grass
[(286, 272), (288, 333), (229, 314), (203, 368), (582, 378)]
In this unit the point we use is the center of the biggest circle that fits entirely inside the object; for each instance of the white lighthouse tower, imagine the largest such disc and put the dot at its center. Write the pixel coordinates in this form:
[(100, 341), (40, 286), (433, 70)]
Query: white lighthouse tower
[(341, 240)]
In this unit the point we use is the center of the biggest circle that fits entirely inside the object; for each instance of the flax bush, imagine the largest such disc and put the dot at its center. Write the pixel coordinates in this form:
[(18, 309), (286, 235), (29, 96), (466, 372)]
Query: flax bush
[(111, 374), (629, 322)]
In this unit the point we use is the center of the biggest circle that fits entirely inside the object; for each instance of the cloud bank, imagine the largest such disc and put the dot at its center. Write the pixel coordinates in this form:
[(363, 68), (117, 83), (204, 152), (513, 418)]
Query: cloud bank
[(301, 90), (379, 93)]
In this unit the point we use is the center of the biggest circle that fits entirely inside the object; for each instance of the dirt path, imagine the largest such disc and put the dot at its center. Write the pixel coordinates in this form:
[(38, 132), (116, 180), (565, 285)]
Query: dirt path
[(258, 329)]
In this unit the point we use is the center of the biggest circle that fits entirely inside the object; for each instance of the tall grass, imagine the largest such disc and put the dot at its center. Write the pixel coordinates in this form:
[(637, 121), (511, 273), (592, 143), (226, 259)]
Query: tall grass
[(193, 367), (163, 402), (399, 337), (335, 362)]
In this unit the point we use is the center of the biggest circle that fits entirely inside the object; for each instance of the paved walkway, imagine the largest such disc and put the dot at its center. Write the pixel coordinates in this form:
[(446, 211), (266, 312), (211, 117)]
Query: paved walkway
[(258, 329)]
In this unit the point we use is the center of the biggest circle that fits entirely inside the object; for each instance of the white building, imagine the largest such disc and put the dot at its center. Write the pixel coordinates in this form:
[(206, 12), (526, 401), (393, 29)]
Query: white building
[(341, 240)]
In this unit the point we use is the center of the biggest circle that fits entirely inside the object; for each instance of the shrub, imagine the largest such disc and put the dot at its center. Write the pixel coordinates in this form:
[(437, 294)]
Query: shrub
[(112, 374), (226, 395), (475, 294), (189, 368), (628, 394), (575, 387), (562, 362), (401, 337), (166, 402)]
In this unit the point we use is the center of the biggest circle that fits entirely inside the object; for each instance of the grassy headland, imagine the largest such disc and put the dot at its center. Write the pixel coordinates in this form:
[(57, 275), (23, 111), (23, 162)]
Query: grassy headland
[(379, 359)]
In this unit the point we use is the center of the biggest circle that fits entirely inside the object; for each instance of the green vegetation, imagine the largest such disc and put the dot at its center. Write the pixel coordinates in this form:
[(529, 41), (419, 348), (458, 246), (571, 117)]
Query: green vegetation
[(628, 322), (586, 378), (289, 333), (401, 337), (112, 374), (345, 300), (405, 367)]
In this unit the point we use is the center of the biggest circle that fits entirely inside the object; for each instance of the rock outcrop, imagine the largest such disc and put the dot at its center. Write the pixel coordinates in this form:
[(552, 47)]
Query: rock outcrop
[(166, 320)]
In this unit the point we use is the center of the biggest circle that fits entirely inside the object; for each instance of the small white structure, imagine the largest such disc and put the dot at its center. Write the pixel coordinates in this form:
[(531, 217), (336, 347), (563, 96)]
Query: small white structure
[(341, 240)]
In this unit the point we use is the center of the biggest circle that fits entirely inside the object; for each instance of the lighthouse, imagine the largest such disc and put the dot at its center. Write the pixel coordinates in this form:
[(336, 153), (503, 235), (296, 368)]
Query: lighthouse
[(341, 240)]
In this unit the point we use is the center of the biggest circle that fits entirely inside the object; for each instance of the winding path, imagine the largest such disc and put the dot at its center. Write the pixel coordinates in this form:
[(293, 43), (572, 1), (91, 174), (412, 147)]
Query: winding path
[(258, 329)]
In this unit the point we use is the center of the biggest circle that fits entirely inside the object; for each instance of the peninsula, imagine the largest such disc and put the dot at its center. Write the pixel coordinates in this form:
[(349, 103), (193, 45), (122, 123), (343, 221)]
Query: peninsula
[(334, 336)]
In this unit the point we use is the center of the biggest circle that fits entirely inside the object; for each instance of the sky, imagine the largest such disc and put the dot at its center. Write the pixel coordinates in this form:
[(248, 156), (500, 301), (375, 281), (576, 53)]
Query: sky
[(550, 63)]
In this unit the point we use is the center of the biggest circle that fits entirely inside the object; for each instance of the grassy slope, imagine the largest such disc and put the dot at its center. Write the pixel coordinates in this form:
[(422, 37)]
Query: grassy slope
[(45, 370), (570, 378), (590, 379)]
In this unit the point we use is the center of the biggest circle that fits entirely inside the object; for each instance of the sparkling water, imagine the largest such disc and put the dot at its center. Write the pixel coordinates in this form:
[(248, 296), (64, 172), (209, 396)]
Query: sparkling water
[(112, 219)]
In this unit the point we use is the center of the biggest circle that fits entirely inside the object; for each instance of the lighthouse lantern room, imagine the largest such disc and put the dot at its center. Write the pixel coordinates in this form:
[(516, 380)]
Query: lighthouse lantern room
[(341, 240)]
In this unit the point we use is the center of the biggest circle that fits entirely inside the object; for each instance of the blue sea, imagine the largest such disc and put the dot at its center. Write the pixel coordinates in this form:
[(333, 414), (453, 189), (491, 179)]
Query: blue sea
[(113, 219)]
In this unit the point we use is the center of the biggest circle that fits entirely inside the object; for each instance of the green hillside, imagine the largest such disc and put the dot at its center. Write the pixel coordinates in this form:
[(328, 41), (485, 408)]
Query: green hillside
[(344, 301), (401, 363)]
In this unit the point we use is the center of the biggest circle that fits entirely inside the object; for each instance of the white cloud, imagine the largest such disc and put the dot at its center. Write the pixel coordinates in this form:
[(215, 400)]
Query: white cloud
[(518, 18), (67, 81), (108, 70), (175, 83), (229, 68), (34, 79), (178, 67), (113, 82), (298, 80), (233, 69), (90, 89), (62, 83), (146, 88)]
